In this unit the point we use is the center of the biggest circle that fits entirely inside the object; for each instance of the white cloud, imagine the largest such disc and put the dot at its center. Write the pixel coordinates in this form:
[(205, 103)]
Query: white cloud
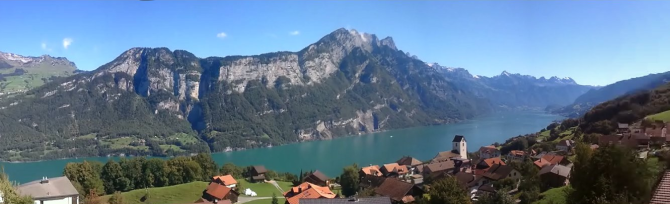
[(221, 35), (45, 47), (294, 33), (67, 42)]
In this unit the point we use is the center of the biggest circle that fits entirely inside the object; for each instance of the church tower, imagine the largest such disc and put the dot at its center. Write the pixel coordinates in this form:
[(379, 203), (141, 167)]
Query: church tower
[(460, 146)]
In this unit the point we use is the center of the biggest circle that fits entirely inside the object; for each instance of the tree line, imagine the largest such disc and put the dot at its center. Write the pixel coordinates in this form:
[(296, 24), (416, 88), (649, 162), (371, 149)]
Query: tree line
[(95, 178)]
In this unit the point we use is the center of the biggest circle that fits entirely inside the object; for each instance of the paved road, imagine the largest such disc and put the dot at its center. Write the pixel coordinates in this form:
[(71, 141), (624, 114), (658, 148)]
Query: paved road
[(244, 199)]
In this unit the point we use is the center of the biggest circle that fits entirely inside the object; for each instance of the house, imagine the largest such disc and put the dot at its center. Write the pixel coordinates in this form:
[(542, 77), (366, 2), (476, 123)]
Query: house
[(551, 159), (516, 155), (318, 178), (485, 164), (444, 156), (50, 191), (203, 201), (488, 152), (467, 180), (634, 141), (460, 146), (1, 198), (372, 170), (623, 128), (216, 192), (565, 145), (660, 195), (410, 162), (307, 190), (226, 180), (462, 165), (399, 191), (372, 181), (393, 170), (369, 200), (258, 173), (498, 172), (435, 168), (555, 175)]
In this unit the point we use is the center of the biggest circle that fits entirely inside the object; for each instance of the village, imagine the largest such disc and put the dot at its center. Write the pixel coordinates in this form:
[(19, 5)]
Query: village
[(407, 180)]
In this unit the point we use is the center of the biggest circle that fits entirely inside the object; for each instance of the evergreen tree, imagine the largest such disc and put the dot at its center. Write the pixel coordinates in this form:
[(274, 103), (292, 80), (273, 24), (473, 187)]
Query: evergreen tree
[(274, 199), (113, 178), (499, 197)]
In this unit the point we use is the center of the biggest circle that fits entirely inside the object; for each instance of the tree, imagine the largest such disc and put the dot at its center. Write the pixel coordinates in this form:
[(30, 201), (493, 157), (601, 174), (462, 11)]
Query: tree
[(447, 191), (92, 198), (609, 175), (183, 170), (499, 197), (86, 174), (271, 175), (230, 168), (349, 180), (207, 165), (116, 198), (274, 199), (9, 194), (113, 178), (157, 169)]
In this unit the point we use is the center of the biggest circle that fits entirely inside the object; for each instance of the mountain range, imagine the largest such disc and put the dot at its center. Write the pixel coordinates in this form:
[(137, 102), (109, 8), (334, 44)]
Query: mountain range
[(155, 101), (21, 73), (516, 91)]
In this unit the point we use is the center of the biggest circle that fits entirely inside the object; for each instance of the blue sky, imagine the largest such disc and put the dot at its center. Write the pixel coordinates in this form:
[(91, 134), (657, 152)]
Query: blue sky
[(594, 42)]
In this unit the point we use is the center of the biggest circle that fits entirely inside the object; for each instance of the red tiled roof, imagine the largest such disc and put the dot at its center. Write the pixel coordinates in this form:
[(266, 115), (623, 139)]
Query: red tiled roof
[(307, 190), (217, 190), (488, 149), (226, 179), (517, 153), (371, 170), (662, 192), (491, 161)]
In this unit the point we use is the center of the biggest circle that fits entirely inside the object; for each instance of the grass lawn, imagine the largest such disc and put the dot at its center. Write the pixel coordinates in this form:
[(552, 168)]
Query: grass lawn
[(556, 195), (544, 135), (664, 116), (178, 194), (267, 201), (264, 189)]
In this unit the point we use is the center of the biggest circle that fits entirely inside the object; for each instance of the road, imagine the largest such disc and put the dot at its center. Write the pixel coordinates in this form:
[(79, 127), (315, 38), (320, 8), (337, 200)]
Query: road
[(244, 199)]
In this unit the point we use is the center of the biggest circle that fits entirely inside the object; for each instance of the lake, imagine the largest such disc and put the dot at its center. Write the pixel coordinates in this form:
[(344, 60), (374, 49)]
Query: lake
[(330, 156)]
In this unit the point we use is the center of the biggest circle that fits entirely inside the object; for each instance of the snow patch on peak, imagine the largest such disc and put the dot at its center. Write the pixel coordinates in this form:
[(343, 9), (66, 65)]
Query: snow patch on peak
[(475, 76), (505, 73)]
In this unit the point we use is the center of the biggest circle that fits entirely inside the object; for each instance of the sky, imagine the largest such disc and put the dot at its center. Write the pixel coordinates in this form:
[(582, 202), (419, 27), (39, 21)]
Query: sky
[(594, 42)]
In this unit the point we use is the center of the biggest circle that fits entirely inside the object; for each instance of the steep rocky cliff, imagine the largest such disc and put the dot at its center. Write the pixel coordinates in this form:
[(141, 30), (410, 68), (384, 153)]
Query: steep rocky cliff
[(21, 73), (348, 82)]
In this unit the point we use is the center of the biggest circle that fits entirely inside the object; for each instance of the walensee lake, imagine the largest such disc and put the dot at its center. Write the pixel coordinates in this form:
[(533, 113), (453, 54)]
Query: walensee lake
[(330, 156)]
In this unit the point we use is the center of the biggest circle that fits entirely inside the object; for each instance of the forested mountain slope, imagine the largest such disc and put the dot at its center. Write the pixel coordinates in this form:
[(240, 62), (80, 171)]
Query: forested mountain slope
[(156, 101)]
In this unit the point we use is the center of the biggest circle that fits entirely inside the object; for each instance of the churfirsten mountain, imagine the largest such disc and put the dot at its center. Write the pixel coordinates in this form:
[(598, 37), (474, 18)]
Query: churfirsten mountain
[(162, 102), (22, 73), (588, 100), (515, 91)]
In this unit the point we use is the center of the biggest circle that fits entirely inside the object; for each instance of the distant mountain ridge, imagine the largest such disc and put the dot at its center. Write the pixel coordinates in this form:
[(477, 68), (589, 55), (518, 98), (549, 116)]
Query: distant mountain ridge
[(154, 101), (20, 73), (588, 100), (515, 90)]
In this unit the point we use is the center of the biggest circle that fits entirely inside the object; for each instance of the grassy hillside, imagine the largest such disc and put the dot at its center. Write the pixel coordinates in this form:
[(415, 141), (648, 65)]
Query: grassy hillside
[(177, 194), (664, 116), (554, 196)]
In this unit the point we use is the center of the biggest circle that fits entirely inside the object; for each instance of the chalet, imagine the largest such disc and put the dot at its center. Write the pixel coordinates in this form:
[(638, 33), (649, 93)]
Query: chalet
[(436, 168), (368, 200), (216, 192), (554, 176), (399, 191), (498, 172), (226, 180), (394, 170), (258, 173), (307, 190), (318, 178), (485, 164), (48, 191), (551, 159), (516, 155), (634, 141), (488, 152), (372, 170), (623, 128), (410, 162), (467, 180), (565, 145)]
